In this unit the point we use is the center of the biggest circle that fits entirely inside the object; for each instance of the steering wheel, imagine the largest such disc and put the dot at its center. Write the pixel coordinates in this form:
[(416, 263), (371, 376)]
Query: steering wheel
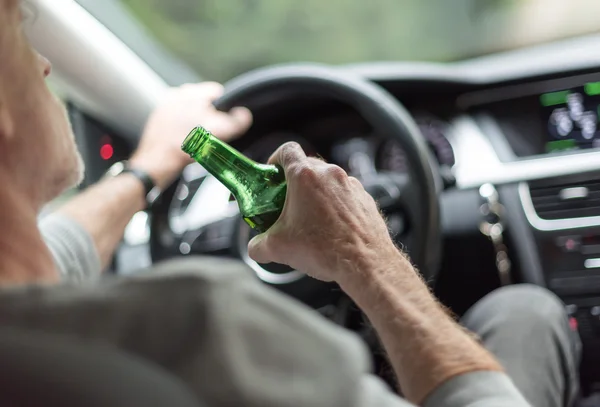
[(413, 197)]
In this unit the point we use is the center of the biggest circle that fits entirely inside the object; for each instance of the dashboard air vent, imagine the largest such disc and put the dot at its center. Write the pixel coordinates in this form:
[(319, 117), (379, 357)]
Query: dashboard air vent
[(577, 200)]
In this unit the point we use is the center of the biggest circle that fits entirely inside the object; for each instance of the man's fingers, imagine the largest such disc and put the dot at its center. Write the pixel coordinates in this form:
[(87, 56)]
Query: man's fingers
[(288, 154), (212, 90), (258, 249), (208, 91), (242, 117), (228, 126)]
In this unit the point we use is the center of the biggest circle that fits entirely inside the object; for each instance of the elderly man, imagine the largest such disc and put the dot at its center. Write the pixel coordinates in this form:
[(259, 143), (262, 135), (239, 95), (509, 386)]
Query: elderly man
[(224, 338)]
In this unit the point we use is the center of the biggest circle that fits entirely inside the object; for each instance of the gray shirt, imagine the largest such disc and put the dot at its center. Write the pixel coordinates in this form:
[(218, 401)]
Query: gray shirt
[(73, 249), (233, 340)]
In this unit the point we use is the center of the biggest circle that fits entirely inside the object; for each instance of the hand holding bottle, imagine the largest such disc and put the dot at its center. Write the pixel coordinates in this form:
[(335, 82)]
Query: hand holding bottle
[(330, 226)]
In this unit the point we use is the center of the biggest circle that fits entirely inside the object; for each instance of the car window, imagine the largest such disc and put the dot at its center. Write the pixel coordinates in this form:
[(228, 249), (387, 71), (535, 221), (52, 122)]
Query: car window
[(220, 39)]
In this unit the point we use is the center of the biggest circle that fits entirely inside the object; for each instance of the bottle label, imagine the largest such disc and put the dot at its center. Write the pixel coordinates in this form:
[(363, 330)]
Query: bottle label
[(261, 223)]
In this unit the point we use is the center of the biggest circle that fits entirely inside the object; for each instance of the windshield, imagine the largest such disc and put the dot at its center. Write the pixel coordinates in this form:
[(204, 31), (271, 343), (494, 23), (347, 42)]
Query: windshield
[(223, 38)]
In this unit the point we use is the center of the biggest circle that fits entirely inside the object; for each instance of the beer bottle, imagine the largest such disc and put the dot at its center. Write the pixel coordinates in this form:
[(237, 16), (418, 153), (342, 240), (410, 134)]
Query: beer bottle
[(259, 189)]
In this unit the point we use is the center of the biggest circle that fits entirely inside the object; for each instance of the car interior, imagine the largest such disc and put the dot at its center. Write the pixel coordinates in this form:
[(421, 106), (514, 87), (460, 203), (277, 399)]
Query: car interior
[(487, 168)]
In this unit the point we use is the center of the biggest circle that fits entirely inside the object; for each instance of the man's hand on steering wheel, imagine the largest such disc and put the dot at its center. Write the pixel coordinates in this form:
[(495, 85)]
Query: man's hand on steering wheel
[(159, 152), (329, 226)]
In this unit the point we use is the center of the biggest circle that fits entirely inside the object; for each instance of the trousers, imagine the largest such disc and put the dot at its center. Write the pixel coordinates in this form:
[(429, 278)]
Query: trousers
[(527, 329)]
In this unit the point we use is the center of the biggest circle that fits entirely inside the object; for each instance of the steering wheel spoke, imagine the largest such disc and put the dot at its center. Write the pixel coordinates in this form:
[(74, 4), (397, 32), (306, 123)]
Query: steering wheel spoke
[(215, 238)]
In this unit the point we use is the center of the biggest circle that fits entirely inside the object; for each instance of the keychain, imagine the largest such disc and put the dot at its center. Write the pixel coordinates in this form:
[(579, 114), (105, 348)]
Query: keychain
[(492, 226)]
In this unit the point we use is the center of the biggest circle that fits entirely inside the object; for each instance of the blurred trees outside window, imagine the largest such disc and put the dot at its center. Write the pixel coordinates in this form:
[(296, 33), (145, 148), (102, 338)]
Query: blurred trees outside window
[(223, 38)]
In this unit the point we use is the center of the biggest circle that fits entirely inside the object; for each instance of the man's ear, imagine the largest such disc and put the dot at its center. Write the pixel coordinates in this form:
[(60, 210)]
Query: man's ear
[(7, 125)]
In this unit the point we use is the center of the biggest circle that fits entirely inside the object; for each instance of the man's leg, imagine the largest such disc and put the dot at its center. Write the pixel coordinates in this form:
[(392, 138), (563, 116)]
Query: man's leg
[(527, 329)]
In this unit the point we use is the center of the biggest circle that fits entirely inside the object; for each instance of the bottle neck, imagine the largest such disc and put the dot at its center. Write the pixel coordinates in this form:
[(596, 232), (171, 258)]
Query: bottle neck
[(221, 160)]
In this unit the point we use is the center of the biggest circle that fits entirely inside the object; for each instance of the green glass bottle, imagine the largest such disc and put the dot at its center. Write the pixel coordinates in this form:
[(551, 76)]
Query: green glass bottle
[(258, 188)]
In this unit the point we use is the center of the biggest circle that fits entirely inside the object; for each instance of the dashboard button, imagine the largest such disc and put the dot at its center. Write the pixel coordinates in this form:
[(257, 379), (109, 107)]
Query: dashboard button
[(569, 244)]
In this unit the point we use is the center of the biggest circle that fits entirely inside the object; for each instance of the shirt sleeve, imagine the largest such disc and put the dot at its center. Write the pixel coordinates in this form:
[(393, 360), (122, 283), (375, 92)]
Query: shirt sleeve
[(72, 247), (477, 389)]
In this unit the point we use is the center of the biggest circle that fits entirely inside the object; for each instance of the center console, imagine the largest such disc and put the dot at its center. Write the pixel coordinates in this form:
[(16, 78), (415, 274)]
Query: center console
[(544, 126), (564, 215)]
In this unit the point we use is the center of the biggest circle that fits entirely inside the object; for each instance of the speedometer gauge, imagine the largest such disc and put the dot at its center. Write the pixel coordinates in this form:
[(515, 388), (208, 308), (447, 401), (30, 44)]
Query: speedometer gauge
[(392, 157), (434, 132)]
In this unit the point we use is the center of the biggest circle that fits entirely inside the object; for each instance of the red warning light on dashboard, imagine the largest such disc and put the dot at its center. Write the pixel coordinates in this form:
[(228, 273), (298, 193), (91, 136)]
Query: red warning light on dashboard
[(107, 151)]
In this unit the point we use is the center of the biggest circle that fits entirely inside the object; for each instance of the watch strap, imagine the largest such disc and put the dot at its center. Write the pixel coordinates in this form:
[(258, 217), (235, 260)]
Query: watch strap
[(143, 177), (151, 191)]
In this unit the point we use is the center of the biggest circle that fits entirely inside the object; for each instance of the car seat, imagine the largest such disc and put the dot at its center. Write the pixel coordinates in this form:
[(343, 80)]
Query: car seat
[(41, 369)]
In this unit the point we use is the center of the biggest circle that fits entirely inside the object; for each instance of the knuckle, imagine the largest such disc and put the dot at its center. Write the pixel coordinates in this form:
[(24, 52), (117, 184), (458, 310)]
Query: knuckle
[(355, 182), (303, 172), (306, 172), (290, 147), (336, 173), (287, 153)]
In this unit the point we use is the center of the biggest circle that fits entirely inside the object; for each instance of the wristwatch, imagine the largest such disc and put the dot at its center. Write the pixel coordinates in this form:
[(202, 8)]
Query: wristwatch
[(151, 191)]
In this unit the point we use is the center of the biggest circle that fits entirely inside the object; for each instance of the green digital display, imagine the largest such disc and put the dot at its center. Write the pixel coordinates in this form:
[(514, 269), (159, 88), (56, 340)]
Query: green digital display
[(554, 98), (561, 145), (572, 118), (592, 88)]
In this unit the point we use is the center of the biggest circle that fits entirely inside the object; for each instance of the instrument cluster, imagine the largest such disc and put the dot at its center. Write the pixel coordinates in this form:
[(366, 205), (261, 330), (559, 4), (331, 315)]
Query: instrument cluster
[(372, 152)]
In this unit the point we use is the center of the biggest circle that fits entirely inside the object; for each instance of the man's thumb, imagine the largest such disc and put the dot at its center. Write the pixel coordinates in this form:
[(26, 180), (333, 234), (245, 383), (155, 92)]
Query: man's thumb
[(258, 249)]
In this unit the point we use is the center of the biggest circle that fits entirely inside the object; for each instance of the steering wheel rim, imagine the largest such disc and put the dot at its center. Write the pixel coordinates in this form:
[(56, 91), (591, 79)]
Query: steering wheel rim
[(383, 112)]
